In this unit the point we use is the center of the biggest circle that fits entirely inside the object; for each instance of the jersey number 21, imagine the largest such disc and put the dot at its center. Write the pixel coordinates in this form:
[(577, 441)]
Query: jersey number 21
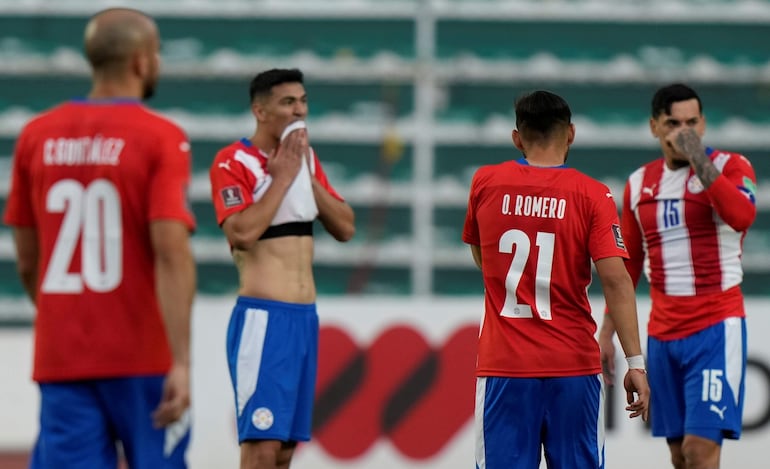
[(513, 308)]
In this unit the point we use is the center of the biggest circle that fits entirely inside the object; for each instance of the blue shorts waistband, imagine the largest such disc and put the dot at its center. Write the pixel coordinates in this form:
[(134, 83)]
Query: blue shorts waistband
[(251, 302)]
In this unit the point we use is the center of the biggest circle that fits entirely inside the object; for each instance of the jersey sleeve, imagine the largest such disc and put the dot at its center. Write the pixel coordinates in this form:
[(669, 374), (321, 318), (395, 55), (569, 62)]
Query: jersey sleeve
[(632, 237), (605, 238), (169, 185), (471, 226), (320, 175), (733, 193), (230, 185), (19, 206)]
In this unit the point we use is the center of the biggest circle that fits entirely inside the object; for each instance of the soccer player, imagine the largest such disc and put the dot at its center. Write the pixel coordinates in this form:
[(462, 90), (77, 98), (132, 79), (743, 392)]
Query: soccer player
[(684, 217), (533, 226), (267, 190), (101, 228)]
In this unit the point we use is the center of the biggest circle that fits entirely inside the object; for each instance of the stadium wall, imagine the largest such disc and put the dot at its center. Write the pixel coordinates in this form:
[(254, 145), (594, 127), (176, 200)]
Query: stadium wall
[(395, 389)]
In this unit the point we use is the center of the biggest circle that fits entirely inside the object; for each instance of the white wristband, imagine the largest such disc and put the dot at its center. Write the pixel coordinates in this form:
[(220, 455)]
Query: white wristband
[(636, 362)]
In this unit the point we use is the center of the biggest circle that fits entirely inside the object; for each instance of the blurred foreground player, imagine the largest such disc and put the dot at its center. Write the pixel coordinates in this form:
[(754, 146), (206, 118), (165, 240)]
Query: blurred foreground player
[(101, 228)]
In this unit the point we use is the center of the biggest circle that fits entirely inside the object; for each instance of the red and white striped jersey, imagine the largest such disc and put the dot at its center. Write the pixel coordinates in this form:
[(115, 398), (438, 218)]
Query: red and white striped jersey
[(688, 241)]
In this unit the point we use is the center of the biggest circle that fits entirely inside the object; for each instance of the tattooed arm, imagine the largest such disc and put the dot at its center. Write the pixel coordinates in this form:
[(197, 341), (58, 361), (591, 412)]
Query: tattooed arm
[(687, 142)]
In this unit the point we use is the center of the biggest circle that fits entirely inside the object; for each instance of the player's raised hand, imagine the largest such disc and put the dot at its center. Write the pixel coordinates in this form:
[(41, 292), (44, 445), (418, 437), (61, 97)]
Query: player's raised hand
[(635, 382), (176, 397), (285, 160), (685, 141)]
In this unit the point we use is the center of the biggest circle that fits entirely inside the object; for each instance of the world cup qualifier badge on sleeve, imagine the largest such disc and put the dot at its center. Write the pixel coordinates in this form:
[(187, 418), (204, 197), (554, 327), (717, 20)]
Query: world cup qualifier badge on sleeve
[(618, 237), (231, 196)]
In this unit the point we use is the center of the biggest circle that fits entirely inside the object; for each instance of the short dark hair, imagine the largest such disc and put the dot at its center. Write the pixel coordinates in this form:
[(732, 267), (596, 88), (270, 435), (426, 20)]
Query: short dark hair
[(540, 113), (263, 83), (670, 94)]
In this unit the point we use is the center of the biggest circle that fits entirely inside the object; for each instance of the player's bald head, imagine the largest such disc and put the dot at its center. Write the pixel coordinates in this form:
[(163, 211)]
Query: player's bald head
[(113, 35)]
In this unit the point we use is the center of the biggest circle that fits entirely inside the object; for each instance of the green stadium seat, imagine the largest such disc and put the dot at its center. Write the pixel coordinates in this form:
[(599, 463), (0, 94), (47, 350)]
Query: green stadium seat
[(651, 41), (195, 38), (363, 72)]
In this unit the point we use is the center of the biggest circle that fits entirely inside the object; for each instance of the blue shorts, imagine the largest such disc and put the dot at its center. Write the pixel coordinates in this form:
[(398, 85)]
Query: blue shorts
[(516, 417), (698, 382), (272, 352), (81, 422)]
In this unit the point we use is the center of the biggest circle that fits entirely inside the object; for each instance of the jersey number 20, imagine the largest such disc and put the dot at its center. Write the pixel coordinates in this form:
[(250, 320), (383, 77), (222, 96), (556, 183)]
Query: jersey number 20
[(520, 240), (91, 215)]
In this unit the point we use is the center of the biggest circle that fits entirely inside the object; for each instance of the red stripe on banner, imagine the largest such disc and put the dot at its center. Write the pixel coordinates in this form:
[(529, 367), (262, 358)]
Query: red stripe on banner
[(449, 403), (398, 388), (357, 424)]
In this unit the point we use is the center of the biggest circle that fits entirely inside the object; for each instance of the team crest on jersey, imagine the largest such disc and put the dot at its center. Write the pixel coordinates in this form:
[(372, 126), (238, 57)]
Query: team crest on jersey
[(618, 237), (694, 186), (231, 196), (262, 418)]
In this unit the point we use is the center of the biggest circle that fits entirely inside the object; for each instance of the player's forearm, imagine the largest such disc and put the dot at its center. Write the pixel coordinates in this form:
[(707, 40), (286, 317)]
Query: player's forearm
[(702, 165), (607, 329), (175, 282), (634, 266), (621, 305), (27, 254), (29, 282), (336, 216), (476, 253), (621, 308), (243, 229)]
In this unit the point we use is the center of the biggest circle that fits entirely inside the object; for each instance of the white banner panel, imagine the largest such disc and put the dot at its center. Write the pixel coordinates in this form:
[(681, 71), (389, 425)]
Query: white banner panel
[(395, 389)]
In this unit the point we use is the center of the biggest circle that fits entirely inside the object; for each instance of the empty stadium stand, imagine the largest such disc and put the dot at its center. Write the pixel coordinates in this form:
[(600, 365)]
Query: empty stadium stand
[(407, 99)]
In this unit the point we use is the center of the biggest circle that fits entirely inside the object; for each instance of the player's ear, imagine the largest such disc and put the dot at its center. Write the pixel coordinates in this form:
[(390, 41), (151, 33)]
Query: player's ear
[(516, 137), (654, 127), (571, 134), (140, 63), (258, 109)]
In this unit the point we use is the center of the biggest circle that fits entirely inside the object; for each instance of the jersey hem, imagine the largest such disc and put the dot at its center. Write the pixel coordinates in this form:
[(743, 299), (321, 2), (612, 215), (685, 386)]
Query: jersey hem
[(47, 377), (538, 374)]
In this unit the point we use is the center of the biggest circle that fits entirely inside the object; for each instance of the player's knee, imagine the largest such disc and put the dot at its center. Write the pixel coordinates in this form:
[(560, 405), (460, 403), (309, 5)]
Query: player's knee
[(284, 455), (700, 454), (678, 462), (677, 458), (260, 455)]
